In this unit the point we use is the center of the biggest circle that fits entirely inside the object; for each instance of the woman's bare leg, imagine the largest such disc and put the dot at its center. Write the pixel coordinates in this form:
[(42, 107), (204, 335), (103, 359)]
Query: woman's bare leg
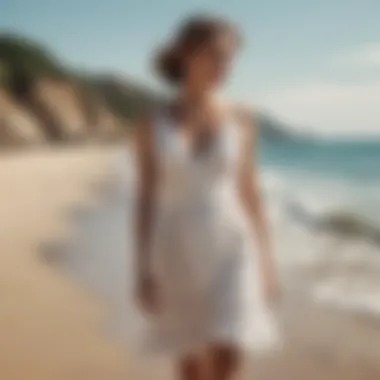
[(221, 362), (189, 368)]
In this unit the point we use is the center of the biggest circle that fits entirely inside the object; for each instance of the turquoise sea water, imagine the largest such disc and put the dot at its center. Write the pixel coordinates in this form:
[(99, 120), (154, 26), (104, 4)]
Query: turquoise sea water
[(325, 197), (325, 177)]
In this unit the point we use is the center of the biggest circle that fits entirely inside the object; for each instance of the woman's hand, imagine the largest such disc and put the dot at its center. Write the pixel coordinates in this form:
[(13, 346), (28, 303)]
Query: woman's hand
[(147, 293)]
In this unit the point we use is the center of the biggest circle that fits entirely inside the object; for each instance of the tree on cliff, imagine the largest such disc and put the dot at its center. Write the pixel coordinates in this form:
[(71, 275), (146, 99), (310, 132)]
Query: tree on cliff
[(24, 61)]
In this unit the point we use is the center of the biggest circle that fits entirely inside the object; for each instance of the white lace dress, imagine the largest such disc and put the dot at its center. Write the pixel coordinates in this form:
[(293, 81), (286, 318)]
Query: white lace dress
[(204, 256)]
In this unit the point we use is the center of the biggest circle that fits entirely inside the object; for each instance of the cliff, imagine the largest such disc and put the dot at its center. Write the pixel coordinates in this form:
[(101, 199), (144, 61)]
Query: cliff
[(44, 101), (17, 125), (41, 100)]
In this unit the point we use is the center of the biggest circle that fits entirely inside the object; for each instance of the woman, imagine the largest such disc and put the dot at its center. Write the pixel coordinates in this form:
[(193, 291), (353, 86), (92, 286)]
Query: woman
[(204, 260)]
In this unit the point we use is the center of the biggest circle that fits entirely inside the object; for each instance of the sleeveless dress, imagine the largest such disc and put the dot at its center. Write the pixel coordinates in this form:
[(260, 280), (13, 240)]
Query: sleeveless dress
[(203, 252)]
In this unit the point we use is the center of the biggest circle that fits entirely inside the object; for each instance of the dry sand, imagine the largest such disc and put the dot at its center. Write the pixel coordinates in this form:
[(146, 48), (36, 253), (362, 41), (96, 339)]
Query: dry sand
[(49, 326)]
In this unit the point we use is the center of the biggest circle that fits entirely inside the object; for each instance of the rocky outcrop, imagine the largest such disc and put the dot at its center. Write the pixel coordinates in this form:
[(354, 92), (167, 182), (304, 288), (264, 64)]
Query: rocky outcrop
[(18, 127), (57, 104), (55, 111), (102, 122)]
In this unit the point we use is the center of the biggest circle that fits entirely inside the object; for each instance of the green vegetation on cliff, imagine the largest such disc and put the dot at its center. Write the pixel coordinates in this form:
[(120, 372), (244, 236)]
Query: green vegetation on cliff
[(23, 61)]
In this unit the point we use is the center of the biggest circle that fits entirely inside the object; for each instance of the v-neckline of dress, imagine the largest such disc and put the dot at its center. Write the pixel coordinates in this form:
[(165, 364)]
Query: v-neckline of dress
[(188, 144)]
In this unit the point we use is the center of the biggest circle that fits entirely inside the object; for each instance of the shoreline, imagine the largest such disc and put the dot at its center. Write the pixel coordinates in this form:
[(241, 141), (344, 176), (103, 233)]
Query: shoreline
[(53, 317), (313, 333)]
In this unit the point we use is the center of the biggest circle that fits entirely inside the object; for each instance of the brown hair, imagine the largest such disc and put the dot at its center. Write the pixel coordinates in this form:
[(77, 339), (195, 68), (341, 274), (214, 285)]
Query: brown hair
[(193, 34)]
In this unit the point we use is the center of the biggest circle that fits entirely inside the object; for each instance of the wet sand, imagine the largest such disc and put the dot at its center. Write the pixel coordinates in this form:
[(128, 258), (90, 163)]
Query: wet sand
[(56, 320)]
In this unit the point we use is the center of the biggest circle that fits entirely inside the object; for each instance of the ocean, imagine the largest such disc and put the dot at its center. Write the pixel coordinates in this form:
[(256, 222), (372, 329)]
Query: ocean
[(324, 204)]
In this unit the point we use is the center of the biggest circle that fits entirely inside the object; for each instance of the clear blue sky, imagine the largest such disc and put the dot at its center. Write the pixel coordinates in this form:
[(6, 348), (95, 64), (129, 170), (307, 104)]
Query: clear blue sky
[(315, 64)]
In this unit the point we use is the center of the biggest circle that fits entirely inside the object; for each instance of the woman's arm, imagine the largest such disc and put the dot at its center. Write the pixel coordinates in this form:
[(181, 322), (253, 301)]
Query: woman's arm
[(250, 192), (146, 187), (145, 194)]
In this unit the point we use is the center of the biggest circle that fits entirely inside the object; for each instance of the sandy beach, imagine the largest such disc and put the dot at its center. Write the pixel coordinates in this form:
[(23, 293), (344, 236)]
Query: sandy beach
[(60, 211), (48, 324)]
